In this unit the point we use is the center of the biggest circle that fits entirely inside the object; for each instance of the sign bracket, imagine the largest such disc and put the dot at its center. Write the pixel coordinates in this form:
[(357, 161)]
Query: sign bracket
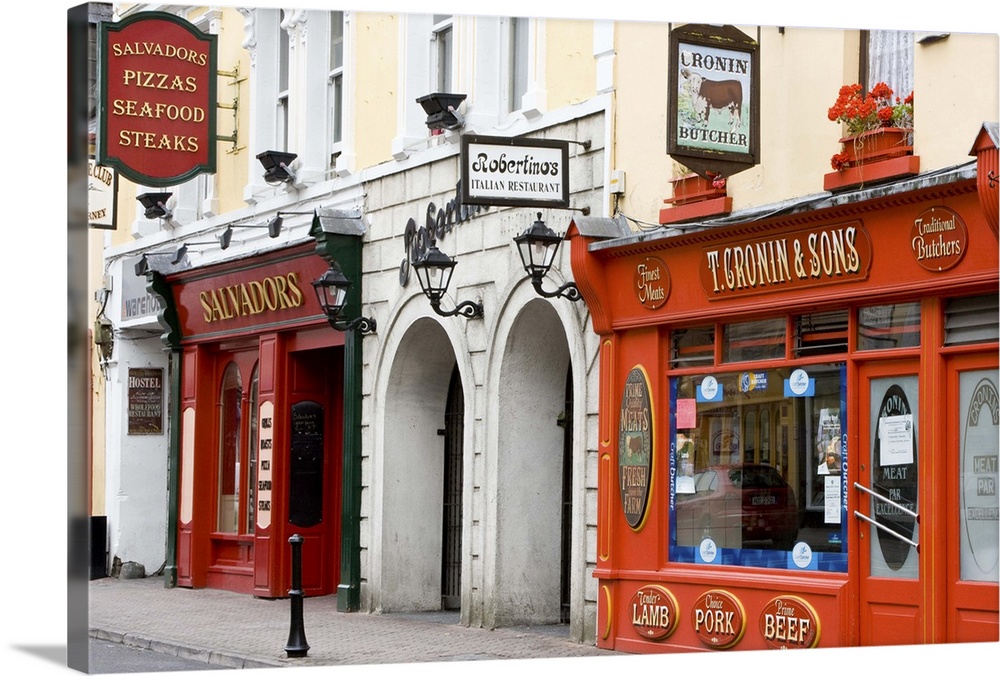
[(233, 138)]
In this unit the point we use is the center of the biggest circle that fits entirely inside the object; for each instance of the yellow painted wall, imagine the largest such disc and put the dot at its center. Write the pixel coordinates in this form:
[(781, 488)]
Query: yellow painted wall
[(802, 70), (955, 81), (376, 80), (570, 67)]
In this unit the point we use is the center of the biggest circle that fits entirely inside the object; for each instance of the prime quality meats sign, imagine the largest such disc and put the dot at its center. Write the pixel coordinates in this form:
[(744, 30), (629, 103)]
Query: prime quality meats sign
[(158, 99)]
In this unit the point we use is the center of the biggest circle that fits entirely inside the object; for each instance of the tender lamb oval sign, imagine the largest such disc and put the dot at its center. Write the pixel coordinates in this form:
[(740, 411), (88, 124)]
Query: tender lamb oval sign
[(654, 612), (635, 447)]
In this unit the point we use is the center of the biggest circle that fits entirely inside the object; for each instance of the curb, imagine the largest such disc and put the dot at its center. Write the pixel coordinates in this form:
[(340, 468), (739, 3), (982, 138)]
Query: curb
[(186, 651)]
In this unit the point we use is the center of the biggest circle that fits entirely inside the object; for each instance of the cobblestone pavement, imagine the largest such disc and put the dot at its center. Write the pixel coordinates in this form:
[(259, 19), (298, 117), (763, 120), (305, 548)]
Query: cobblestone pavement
[(238, 630)]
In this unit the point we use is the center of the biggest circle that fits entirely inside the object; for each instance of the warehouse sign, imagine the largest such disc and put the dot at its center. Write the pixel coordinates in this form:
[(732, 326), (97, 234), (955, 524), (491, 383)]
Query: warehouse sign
[(500, 171), (157, 108)]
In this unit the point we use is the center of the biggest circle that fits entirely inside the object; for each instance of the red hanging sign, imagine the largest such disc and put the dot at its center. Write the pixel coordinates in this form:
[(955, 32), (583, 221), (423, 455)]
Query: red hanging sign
[(158, 99)]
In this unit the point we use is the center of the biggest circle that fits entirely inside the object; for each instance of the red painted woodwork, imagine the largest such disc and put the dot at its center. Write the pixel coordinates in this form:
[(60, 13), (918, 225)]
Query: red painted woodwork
[(850, 610), (299, 357)]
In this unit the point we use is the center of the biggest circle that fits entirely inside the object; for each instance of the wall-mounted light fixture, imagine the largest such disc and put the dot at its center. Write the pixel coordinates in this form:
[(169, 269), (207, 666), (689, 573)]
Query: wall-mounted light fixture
[(442, 110), (434, 270), (155, 204), (538, 246), (331, 292), (277, 166)]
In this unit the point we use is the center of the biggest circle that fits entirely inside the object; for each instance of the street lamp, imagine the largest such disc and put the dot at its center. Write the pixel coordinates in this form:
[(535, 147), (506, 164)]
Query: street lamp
[(331, 292), (538, 246), (434, 271)]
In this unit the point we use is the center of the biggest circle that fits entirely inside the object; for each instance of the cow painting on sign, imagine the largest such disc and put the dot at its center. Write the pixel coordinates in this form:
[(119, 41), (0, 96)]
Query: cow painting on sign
[(707, 95)]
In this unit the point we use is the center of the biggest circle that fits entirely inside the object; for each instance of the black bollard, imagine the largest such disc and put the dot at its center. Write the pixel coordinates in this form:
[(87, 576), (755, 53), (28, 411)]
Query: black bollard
[(297, 646)]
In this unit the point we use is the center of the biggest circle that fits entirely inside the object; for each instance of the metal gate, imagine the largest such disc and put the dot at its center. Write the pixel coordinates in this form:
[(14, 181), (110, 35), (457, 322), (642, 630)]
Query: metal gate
[(566, 422), (451, 547)]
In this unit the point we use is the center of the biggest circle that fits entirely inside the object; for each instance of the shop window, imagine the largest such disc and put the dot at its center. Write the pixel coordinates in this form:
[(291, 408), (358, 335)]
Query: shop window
[(252, 453), (886, 327), (979, 457), (692, 347), (821, 333), (754, 341), (230, 400), (972, 320), (758, 468)]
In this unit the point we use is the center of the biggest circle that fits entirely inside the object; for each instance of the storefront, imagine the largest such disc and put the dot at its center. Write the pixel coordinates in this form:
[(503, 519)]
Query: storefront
[(260, 399), (798, 425)]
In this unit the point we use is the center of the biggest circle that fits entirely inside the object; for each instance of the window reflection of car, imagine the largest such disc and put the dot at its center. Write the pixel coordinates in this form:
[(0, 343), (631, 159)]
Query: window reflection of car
[(737, 504)]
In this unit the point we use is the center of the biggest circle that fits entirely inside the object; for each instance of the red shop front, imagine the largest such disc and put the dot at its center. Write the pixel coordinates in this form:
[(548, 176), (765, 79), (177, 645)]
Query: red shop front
[(798, 425), (261, 439)]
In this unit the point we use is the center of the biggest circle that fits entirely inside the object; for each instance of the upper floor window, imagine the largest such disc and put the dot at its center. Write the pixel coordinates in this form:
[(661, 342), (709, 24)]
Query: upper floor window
[(887, 56), (283, 83), (518, 85), (443, 37), (336, 80)]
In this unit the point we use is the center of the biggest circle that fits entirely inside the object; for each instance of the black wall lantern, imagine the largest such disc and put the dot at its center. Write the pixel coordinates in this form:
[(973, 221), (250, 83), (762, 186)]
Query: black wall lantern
[(434, 270), (442, 110), (277, 166), (155, 204), (538, 246), (331, 292)]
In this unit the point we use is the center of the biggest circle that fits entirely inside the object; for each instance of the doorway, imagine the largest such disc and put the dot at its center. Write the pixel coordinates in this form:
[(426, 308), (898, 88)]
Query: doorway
[(888, 506), (451, 519)]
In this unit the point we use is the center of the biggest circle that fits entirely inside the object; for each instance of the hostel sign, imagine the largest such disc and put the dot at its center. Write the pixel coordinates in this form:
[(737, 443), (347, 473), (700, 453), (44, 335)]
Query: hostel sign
[(157, 107)]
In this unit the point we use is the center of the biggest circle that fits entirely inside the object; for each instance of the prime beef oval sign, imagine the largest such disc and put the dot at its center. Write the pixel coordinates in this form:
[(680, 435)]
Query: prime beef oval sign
[(157, 108)]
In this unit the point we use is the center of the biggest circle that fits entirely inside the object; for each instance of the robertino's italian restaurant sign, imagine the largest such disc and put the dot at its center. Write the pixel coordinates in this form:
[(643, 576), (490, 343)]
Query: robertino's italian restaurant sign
[(157, 109)]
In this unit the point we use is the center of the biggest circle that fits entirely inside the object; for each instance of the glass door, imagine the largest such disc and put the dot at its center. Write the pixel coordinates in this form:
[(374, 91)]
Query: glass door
[(888, 506)]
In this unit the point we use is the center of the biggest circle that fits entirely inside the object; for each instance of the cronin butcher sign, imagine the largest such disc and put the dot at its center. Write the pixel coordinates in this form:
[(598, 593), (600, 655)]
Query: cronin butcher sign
[(157, 107)]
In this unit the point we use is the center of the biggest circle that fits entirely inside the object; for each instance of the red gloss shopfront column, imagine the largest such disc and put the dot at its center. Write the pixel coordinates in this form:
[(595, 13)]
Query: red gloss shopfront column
[(261, 426), (781, 425)]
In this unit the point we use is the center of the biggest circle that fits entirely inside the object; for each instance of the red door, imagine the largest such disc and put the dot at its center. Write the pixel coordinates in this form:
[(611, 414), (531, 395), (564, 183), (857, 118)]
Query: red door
[(888, 507)]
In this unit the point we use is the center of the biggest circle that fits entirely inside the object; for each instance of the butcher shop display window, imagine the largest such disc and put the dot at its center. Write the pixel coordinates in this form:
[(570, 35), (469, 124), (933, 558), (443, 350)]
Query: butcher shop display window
[(758, 468)]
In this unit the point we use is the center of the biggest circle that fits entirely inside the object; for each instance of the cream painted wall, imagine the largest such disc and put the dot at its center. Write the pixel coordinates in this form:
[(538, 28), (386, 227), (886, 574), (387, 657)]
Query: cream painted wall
[(640, 117), (570, 68), (98, 435), (956, 84), (375, 87)]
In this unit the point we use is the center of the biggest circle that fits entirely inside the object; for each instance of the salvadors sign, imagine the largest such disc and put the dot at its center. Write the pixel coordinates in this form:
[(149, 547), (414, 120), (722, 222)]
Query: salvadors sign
[(498, 171), (157, 109)]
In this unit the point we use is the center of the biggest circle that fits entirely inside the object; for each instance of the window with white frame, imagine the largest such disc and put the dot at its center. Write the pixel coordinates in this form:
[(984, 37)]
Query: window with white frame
[(336, 83), (518, 84), (283, 84), (443, 37)]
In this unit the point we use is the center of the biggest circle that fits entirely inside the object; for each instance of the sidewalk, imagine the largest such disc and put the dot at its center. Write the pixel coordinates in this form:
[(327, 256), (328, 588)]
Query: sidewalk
[(240, 631)]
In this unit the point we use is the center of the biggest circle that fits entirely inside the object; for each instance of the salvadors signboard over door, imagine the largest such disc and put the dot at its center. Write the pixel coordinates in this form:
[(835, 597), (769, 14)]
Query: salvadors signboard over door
[(157, 106)]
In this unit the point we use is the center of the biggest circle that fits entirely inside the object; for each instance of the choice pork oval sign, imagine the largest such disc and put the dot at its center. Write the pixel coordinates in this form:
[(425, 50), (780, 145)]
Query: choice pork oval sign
[(157, 109), (635, 447)]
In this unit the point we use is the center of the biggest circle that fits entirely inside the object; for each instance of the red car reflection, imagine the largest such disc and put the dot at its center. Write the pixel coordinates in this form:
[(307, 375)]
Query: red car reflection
[(738, 506)]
